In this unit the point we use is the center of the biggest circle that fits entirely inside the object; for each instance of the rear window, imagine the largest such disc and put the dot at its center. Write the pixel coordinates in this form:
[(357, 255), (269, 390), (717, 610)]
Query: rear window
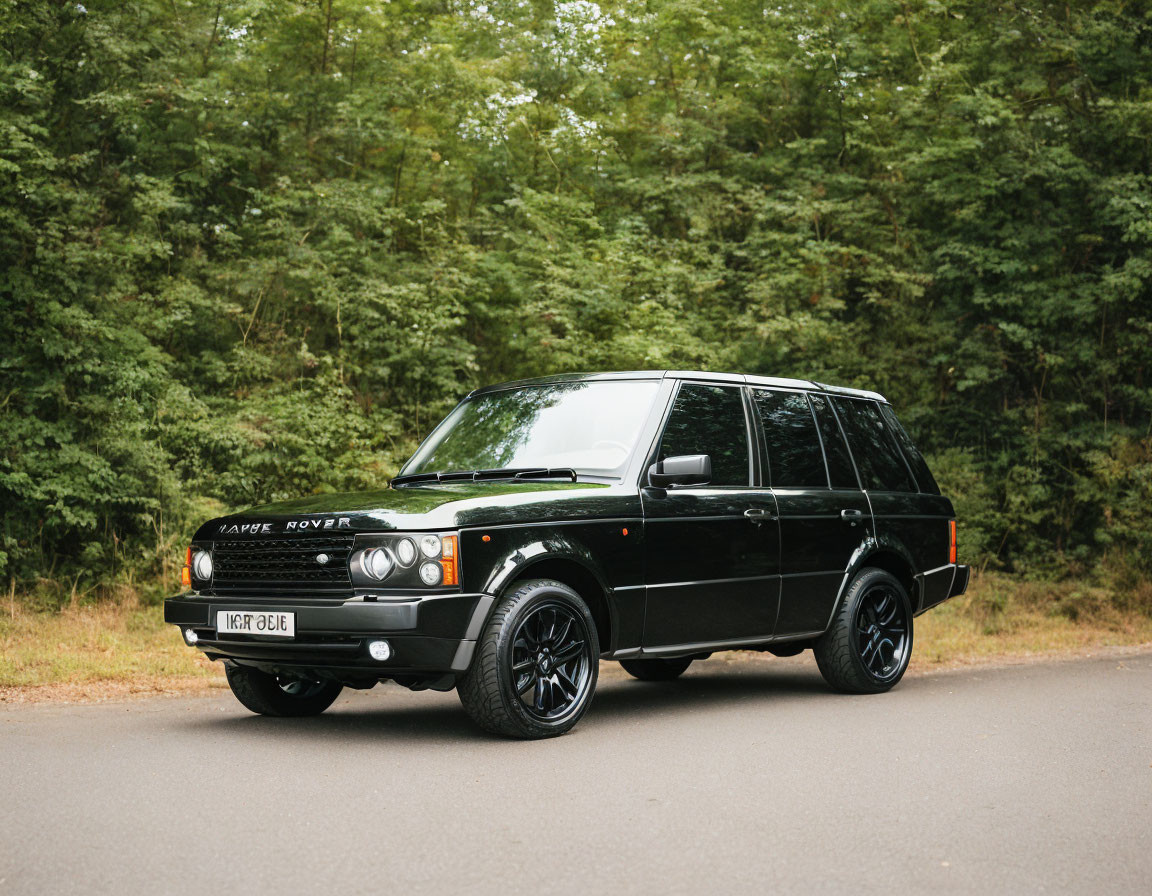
[(840, 469), (794, 457), (878, 458), (924, 477)]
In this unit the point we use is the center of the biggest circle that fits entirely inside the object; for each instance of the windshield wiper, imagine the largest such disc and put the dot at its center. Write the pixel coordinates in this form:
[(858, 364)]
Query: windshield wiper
[(515, 473)]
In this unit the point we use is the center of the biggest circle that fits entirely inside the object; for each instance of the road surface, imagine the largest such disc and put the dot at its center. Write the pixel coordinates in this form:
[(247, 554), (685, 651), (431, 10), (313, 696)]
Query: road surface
[(744, 776)]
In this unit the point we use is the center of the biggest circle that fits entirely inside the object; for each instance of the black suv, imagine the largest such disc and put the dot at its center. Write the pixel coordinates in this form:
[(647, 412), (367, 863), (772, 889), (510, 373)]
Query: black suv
[(651, 518)]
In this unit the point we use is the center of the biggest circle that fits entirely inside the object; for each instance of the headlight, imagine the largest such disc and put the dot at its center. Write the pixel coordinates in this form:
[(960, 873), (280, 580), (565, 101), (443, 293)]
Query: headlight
[(402, 560), (430, 572), (202, 565), (377, 563), (406, 551)]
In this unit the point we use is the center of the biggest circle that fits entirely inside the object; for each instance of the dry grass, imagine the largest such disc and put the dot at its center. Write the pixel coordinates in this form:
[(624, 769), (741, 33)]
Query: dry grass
[(1001, 619), (90, 651), (118, 649)]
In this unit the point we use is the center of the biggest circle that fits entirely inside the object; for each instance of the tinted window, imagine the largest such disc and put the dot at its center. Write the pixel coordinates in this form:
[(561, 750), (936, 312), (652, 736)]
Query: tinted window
[(835, 449), (710, 420), (915, 459), (873, 447), (794, 457)]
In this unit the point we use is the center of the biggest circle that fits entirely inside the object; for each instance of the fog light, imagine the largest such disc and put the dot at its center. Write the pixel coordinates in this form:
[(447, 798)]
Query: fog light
[(190, 637), (380, 650)]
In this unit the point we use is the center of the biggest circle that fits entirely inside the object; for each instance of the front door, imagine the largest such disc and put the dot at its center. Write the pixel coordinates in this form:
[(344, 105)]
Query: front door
[(713, 551)]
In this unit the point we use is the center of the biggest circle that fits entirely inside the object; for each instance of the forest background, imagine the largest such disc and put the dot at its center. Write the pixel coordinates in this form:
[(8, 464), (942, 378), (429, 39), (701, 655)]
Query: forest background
[(256, 249)]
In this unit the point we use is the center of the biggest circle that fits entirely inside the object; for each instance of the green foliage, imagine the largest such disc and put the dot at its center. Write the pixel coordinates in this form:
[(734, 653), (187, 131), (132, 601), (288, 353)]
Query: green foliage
[(257, 249)]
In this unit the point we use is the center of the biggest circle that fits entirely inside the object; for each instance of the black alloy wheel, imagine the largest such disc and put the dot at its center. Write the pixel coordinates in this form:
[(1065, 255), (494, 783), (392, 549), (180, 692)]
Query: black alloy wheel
[(550, 661), (867, 647), (271, 695), (882, 631), (536, 662)]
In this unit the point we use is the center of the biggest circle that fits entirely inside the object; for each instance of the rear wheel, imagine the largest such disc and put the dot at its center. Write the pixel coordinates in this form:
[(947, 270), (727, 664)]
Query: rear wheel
[(535, 665), (270, 695), (867, 648), (656, 669)]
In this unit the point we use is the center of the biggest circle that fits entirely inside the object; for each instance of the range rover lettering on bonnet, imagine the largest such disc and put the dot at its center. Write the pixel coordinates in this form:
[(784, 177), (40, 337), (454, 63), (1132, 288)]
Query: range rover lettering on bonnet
[(342, 522)]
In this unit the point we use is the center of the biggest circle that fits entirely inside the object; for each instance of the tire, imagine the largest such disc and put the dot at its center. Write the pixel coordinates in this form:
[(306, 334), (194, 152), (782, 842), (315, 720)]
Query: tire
[(867, 647), (268, 695), (656, 669), (536, 662)]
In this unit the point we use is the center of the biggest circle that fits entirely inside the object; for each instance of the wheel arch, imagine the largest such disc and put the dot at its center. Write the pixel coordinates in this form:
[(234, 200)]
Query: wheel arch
[(564, 557), (885, 555), (581, 579), (896, 564)]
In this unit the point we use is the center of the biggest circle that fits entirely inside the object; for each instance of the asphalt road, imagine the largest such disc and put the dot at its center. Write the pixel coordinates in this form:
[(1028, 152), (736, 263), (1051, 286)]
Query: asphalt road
[(743, 776)]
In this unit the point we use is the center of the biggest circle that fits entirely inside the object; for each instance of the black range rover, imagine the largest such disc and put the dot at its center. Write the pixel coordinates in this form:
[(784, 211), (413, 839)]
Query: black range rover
[(651, 518)]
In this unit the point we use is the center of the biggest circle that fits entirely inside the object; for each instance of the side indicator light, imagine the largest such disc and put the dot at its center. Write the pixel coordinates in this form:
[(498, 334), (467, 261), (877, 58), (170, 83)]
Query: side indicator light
[(952, 541), (449, 559), (625, 531), (186, 570), (485, 538)]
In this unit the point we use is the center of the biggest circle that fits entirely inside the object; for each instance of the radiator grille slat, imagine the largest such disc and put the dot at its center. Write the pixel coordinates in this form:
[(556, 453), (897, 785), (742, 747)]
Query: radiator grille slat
[(282, 565)]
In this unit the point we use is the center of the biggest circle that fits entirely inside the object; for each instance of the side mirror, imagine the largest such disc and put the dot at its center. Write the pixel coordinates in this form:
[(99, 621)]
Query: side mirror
[(688, 469)]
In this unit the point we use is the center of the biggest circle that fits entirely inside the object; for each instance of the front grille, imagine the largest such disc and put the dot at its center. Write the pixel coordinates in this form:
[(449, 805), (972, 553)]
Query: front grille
[(282, 565)]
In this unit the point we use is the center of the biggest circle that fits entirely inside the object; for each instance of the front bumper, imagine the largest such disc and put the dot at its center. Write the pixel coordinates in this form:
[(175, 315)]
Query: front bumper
[(429, 634)]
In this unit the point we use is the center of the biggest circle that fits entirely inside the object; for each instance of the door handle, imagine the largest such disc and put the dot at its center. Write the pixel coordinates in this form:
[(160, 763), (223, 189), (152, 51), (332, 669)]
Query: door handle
[(852, 517), (758, 515)]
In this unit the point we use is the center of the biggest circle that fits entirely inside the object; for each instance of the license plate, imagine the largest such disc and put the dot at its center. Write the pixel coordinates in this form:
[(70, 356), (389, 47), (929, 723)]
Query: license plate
[(251, 622)]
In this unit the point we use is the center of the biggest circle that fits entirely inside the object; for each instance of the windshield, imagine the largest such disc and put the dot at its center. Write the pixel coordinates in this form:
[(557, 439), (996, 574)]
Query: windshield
[(588, 427)]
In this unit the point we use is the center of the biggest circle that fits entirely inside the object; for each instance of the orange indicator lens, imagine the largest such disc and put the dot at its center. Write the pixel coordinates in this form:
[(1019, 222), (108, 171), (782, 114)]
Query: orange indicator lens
[(449, 560)]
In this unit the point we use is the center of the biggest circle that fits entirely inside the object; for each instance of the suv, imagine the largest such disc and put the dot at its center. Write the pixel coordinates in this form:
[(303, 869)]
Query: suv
[(651, 518)]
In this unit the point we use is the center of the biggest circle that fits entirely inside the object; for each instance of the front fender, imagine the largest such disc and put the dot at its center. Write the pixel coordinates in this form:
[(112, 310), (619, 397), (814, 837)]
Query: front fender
[(516, 562), (603, 560)]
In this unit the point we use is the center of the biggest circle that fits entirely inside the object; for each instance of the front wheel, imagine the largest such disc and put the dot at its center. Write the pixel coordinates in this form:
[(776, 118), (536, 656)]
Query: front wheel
[(867, 648), (270, 695), (536, 663)]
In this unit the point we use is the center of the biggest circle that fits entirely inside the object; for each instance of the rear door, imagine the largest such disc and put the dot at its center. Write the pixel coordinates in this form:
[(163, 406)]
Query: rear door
[(712, 557), (910, 514), (824, 515)]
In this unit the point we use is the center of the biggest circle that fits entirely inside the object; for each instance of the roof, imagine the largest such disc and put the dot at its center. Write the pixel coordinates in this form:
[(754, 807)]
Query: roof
[(696, 375)]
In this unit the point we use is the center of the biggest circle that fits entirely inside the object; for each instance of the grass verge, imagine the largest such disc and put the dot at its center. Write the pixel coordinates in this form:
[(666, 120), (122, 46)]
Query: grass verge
[(95, 652), (116, 649)]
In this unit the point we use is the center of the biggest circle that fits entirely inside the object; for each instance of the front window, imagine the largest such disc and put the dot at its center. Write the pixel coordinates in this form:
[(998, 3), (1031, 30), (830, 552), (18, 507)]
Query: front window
[(710, 420), (589, 427)]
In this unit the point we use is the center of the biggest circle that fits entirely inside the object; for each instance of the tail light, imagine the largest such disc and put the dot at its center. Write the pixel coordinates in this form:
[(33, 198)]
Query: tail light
[(186, 570), (450, 560), (951, 541)]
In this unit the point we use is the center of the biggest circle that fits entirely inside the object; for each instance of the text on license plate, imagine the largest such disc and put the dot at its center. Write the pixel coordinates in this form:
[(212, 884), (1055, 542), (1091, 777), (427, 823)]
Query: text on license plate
[(251, 622)]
